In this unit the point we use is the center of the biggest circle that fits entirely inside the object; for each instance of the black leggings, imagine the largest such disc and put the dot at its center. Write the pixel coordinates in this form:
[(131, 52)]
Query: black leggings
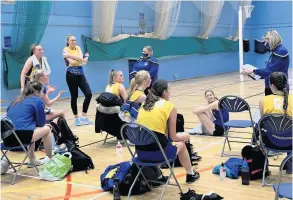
[(73, 82)]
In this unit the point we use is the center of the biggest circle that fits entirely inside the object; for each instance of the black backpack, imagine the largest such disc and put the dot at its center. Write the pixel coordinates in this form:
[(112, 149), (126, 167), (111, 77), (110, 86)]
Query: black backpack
[(151, 173), (80, 161), (62, 133), (256, 160)]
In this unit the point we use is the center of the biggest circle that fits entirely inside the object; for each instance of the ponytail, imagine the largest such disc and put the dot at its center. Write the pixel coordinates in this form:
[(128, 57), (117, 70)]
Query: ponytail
[(150, 101), (285, 102), (280, 81), (132, 88), (67, 38), (138, 81), (155, 94)]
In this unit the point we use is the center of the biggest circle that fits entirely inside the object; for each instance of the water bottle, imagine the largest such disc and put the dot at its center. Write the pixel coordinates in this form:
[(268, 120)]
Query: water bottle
[(245, 175), (222, 172), (118, 148), (116, 194)]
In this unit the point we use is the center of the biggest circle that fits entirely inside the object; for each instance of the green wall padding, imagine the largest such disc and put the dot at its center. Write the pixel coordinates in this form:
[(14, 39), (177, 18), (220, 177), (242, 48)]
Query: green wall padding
[(174, 46)]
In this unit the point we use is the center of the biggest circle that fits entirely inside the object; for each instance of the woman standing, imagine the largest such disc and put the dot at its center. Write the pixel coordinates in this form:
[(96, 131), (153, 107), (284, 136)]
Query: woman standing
[(278, 62), (36, 61), (148, 63), (75, 79)]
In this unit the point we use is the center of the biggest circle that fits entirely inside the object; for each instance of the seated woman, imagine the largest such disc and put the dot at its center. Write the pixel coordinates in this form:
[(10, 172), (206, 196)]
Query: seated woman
[(136, 96), (280, 102), (42, 78), (159, 115), (209, 116), (115, 85), (28, 116)]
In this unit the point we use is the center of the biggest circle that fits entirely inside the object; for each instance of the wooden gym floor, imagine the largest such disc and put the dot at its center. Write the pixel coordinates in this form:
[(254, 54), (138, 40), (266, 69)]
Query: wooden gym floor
[(186, 95)]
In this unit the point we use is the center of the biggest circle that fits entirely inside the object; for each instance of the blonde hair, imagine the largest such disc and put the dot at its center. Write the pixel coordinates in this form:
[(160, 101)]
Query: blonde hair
[(273, 38), (37, 75), (67, 38), (137, 81), (113, 73)]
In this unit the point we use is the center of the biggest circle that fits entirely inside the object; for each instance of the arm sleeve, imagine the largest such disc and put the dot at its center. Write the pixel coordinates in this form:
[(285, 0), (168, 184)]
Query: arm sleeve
[(154, 69), (271, 67), (40, 113)]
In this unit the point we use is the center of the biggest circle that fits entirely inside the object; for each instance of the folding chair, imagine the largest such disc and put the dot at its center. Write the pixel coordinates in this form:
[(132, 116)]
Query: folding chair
[(275, 135), (235, 104), (7, 128), (283, 190), (140, 135)]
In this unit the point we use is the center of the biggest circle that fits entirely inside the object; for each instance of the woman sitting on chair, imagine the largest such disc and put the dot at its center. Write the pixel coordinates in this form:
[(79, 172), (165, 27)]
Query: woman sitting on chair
[(280, 102), (159, 115), (136, 96), (115, 85), (42, 78), (209, 116), (28, 116)]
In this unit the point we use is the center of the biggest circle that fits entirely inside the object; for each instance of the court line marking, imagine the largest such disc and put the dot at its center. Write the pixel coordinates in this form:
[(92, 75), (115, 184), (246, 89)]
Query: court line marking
[(68, 187), (97, 196)]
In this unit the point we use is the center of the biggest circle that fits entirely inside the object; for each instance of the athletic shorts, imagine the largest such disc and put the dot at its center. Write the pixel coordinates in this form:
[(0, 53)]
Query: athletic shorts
[(24, 136), (157, 156), (219, 130)]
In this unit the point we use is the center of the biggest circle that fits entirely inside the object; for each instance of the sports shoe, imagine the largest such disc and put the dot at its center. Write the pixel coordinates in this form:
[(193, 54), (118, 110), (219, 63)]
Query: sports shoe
[(36, 162), (191, 178), (77, 122), (46, 159), (85, 121), (190, 195)]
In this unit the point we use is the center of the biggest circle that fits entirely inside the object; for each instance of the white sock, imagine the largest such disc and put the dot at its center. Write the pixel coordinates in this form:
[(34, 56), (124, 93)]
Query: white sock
[(190, 172)]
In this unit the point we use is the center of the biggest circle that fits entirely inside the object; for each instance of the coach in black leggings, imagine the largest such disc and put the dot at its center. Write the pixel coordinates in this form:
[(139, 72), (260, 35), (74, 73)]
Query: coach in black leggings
[(75, 78)]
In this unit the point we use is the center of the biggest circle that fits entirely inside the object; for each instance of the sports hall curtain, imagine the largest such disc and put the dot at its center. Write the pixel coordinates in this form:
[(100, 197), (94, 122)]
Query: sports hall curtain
[(30, 20), (210, 13), (173, 46), (103, 12), (235, 5)]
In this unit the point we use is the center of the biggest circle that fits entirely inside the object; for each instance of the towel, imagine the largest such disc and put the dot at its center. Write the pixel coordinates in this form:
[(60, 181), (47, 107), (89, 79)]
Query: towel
[(45, 66)]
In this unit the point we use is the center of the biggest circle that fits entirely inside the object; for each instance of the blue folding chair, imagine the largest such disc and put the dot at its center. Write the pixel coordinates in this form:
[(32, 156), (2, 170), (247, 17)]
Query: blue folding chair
[(235, 104), (140, 135), (275, 135), (283, 190), (7, 128)]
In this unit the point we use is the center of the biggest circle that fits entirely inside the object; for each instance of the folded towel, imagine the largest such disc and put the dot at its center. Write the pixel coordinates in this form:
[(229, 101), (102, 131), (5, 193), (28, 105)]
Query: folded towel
[(45, 66)]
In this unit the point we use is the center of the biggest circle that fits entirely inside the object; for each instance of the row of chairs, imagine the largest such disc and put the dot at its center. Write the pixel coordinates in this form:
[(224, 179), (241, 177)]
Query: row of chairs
[(270, 125)]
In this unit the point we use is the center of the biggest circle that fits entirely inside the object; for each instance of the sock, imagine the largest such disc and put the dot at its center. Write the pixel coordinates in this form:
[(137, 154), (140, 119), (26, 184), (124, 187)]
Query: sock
[(190, 172)]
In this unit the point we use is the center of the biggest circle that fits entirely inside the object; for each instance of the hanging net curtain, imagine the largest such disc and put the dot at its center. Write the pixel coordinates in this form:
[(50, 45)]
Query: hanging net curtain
[(103, 13), (210, 13), (166, 18), (30, 20), (235, 5)]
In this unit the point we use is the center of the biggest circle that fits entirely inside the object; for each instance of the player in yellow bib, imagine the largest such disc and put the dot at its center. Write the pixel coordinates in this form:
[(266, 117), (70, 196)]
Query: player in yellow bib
[(115, 85), (158, 114)]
